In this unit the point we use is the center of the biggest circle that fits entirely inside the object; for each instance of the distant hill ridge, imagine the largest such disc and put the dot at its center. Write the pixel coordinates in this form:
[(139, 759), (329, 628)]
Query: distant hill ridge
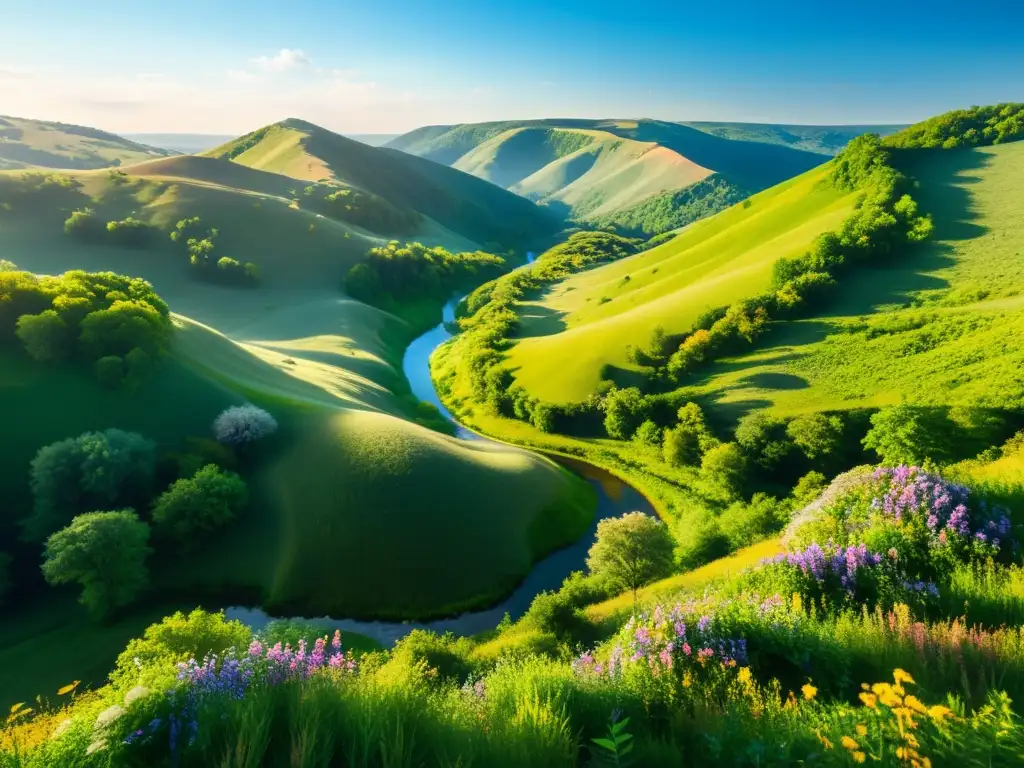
[(28, 143), (478, 210), (623, 173)]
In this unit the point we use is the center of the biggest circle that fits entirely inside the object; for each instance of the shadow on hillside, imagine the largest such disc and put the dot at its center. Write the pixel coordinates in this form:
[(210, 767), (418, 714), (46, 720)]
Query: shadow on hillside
[(945, 177), (769, 380), (538, 320)]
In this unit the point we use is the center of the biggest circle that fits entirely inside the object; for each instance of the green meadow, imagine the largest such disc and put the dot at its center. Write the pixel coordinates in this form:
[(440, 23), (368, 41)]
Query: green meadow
[(714, 262)]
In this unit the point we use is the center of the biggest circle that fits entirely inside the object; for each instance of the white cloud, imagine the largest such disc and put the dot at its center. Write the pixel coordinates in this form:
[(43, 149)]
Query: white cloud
[(241, 76), (286, 59)]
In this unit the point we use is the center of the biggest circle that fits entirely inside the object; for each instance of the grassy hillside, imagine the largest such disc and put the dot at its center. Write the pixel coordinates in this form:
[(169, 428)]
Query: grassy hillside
[(932, 328), (40, 144), (597, 313), (458, 201), (823, 139), (623, 173), (328, 367)]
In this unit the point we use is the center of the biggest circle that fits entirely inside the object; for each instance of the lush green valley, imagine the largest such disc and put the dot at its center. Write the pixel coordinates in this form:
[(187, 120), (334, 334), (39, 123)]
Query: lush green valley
[(810, 396)]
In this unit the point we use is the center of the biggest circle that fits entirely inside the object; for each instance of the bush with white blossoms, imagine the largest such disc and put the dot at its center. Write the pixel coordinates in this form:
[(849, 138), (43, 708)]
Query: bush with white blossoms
[(243, 424)]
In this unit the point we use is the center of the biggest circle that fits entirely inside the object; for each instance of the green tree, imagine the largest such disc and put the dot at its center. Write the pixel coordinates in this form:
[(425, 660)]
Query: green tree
[(725, 466), (648, 433), (808, 488), (91, 471), (631, 551), (124, 326), (689, 439), (816, 434), (764, 439), (699, 539), (903, 434), (104, 552), (200, 504), (625, 410), (47, 338)]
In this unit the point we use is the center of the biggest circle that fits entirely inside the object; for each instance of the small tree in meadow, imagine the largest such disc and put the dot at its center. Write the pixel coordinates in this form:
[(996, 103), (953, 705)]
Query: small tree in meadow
[(689, 439), (241, 424), (106, 553), (816, 434), (200, 504), (631, 551), (725, 466), (903, 434)]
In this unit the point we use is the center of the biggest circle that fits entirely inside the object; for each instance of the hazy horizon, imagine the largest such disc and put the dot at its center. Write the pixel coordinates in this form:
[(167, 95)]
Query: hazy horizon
[(399, 65)]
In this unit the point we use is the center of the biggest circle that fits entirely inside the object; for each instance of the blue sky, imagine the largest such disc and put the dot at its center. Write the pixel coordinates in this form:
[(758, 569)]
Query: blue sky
[(392, 65)]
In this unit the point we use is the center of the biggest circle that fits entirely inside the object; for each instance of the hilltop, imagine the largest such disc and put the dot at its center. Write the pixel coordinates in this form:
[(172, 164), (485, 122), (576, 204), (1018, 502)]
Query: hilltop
[(41, 144), (823, 139), (642, 176), (458, 201)]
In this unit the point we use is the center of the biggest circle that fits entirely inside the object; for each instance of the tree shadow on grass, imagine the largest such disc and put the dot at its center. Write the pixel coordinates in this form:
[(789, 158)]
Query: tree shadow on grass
[(539, 320), (771, 380)]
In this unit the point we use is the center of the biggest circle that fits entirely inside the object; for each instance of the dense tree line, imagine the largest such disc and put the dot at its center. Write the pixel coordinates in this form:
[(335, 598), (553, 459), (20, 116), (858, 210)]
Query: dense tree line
[(974, 127), (672, 210), (885, 220), (114, 323), (398, 272)]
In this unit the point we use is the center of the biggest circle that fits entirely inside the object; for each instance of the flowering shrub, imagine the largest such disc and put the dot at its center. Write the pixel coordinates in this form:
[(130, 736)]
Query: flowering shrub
[(924, 524), (243, 424), (668, 649)]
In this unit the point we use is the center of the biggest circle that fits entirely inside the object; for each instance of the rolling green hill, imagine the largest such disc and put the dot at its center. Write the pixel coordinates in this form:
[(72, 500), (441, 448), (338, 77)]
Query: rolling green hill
[(332, 531), (912, 262), (40, 144), (624, 173), (594, 315), (933, 328), (458, 201), (823, 139)]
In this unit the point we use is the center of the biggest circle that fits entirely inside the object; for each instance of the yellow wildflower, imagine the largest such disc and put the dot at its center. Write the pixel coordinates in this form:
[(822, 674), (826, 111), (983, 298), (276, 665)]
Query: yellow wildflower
[(901, 677), (862, 730), (915, 704), (858, 756), (849, 743), (68, 688), (824, 740), (870, 700), (809, 691), (938, 712), (744, 675)]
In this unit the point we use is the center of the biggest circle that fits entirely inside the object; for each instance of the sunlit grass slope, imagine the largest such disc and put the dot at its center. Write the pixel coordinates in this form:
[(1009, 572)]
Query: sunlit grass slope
[(938, 326), (591, 317), (589, 172), (40, 144), (458, 201), (358, 510)]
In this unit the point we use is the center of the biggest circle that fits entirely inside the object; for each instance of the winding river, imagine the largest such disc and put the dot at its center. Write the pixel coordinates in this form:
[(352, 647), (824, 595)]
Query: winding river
[(614, 498)]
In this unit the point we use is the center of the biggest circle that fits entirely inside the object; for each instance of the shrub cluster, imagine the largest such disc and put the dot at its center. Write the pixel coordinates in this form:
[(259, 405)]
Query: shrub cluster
[(204, 265), (974, 127), (118, 324), (397, 273)]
